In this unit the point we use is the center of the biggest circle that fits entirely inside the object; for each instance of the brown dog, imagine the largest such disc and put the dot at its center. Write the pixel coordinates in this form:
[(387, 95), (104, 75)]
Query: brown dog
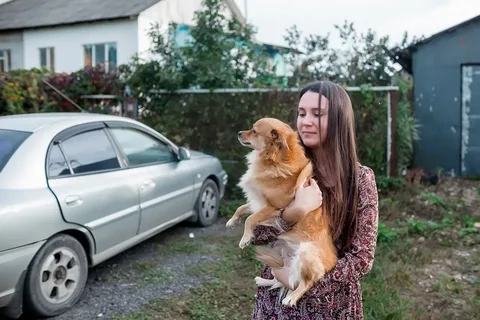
[(277, 167)]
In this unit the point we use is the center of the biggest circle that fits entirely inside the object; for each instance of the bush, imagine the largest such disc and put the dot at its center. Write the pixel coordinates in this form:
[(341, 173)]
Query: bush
[(21, 91), (24, 91)]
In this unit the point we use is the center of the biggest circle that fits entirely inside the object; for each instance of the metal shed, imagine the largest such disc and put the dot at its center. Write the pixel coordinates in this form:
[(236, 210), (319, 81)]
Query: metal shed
[(446, 93)]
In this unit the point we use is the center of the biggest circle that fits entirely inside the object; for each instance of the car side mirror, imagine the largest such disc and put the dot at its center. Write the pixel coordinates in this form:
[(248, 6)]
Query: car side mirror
[(184, 153)]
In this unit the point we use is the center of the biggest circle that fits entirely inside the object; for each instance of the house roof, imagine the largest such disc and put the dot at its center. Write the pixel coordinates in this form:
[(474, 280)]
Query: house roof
[(23, 14), (404, 56)]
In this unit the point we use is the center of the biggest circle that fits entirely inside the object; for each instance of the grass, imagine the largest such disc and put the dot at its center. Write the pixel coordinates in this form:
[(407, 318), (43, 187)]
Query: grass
[(425, 266)]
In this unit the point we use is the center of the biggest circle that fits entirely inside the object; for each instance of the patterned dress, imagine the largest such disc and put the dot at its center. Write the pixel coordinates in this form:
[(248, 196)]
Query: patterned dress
[(338, 295)]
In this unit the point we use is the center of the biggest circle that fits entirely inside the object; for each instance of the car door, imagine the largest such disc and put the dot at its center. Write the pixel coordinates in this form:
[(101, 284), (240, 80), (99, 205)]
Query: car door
[(166, 189), (86, 174)]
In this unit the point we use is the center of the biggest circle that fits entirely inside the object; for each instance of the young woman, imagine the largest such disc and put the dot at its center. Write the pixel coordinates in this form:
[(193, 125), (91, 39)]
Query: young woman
[(325, 123)]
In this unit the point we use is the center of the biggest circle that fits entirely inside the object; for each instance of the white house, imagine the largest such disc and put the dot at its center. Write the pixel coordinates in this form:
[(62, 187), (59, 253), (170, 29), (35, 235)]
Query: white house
[(66, 36)]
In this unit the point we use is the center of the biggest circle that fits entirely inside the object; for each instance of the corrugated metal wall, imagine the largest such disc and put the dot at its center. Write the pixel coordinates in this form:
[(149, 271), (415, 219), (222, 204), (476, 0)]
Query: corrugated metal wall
[(446, 130)]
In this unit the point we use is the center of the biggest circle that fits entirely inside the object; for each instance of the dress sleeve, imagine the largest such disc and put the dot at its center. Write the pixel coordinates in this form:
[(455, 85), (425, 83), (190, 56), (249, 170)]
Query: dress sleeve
[(357, 261), (265, 234)]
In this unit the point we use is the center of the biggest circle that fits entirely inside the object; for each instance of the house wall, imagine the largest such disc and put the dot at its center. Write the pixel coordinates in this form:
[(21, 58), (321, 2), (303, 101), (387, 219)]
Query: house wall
[(14, 42), (437, 73), (164, 13), (68, 42)]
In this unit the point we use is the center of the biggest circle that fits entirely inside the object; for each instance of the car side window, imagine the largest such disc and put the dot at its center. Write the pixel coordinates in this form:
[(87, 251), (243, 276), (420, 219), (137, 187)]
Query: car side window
[(57, 165), (90, 151), (141, 149)]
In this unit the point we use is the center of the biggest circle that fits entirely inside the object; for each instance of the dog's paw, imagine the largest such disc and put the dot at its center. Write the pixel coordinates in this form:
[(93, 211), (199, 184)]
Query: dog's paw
[(245, 241), (289, 302), (261, 282), (232, 223)]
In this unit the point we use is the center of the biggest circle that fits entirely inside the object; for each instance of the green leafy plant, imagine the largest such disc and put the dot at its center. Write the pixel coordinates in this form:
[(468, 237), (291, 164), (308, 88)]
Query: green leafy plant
[(21, 91)]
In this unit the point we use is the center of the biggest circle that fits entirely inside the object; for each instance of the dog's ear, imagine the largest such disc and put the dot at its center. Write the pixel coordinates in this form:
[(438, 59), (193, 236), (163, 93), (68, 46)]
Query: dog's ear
[(276, 150), (274, 134), (279, 140)]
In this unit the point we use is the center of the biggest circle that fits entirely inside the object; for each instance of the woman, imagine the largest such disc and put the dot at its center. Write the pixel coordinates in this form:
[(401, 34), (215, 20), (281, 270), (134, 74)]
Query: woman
[(325, 123)]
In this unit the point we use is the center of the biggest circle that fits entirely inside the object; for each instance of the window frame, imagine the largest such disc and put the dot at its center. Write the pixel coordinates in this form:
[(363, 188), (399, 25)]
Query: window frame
[(50, 149), (7, 59), (127, 162), (106, 62), (49, 56), (72, 132), (105, 126)]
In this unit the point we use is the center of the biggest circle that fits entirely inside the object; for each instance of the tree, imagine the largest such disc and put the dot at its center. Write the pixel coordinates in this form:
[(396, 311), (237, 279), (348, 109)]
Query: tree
[(222, 55), (362, 58)]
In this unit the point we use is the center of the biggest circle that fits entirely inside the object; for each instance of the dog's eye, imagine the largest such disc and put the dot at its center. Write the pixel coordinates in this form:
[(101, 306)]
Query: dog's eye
[(253, 131)]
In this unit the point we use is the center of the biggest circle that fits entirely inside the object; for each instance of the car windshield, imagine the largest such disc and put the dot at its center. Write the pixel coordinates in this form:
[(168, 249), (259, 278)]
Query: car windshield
[(9, 142)]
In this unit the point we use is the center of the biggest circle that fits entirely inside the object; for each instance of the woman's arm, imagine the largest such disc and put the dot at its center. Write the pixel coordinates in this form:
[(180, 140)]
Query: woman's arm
[(307, 198), (358, 261), (265, 234)]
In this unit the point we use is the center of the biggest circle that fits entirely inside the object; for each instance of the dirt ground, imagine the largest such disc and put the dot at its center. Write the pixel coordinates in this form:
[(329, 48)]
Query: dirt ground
[(441, 251)]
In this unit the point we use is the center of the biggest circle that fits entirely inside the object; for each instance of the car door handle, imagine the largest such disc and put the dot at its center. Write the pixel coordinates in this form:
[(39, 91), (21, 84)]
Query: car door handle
[(148, 184), (73, 200)]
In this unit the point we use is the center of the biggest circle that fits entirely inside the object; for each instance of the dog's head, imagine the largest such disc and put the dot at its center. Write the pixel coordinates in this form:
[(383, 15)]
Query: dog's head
[(269, 136)]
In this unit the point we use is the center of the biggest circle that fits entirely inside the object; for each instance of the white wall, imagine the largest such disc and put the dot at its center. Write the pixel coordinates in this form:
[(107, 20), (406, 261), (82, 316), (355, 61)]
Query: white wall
[(68, 42), (163, 13), (14, 42)]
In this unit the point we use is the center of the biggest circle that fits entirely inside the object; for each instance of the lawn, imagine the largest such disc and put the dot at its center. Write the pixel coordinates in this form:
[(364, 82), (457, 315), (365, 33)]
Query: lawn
[(427, 262)]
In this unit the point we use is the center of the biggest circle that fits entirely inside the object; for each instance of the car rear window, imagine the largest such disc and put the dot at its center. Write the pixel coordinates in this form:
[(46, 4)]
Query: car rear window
[(10, 140)]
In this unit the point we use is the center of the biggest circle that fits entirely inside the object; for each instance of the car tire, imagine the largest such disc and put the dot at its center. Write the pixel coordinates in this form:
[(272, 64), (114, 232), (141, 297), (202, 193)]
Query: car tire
[(207, 204), (56, 277)]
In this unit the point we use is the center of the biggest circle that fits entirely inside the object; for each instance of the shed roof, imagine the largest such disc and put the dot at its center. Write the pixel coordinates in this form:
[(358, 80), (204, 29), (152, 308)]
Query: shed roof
[(22, 14), (404, 56)]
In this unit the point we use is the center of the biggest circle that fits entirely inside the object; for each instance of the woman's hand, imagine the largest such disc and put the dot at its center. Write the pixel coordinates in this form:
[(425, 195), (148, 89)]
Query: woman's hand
[(307, 198)]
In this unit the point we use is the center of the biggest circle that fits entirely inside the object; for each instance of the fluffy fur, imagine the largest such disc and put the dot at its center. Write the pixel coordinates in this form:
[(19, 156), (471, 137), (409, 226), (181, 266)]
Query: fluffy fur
[(277, 166)]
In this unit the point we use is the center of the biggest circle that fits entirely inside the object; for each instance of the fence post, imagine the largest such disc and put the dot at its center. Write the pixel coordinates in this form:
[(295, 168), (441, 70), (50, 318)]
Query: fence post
[(393, 162)]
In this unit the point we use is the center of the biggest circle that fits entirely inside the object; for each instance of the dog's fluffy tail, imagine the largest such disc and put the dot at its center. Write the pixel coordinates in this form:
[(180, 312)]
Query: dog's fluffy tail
[(269, 257)]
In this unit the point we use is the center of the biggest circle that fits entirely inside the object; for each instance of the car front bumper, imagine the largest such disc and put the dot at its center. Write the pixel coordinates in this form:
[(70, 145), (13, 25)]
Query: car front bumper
[(13, 264)]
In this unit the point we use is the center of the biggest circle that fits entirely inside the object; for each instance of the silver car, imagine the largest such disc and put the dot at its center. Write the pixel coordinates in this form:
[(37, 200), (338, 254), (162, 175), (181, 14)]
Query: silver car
[(77, 189)]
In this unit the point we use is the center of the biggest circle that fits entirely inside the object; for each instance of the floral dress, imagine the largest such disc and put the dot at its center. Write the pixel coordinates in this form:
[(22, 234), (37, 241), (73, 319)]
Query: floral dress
[(338, 295)]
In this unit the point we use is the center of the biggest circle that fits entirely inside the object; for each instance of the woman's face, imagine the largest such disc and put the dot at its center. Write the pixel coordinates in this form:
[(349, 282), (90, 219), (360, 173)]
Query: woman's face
[(308, 119)]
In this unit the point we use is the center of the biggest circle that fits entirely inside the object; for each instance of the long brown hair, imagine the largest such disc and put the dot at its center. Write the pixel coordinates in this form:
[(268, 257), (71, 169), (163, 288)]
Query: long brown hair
[(341, 198)]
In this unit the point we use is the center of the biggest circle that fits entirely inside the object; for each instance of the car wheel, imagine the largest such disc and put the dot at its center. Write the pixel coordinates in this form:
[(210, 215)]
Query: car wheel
[(207, 204), (56, 277)]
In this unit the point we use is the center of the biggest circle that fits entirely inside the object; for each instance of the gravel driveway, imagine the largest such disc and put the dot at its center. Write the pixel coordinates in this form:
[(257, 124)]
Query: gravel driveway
[(150, 270)]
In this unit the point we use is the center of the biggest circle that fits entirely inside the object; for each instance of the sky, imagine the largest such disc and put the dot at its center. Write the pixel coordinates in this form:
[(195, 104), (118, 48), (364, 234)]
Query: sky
[(387, 17)]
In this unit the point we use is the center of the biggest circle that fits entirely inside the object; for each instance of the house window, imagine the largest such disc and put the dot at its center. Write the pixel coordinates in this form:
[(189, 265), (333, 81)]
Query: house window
[(5, 60), (47, 58), (104, 54)]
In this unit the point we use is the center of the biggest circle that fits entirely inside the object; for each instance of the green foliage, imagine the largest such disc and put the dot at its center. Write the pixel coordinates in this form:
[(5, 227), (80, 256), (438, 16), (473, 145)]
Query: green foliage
[(386, 234), (360, 59), (87, 81), (435, 200), (407, 129), (222, 55), (384, 182), (24, 91), (21, 91)]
